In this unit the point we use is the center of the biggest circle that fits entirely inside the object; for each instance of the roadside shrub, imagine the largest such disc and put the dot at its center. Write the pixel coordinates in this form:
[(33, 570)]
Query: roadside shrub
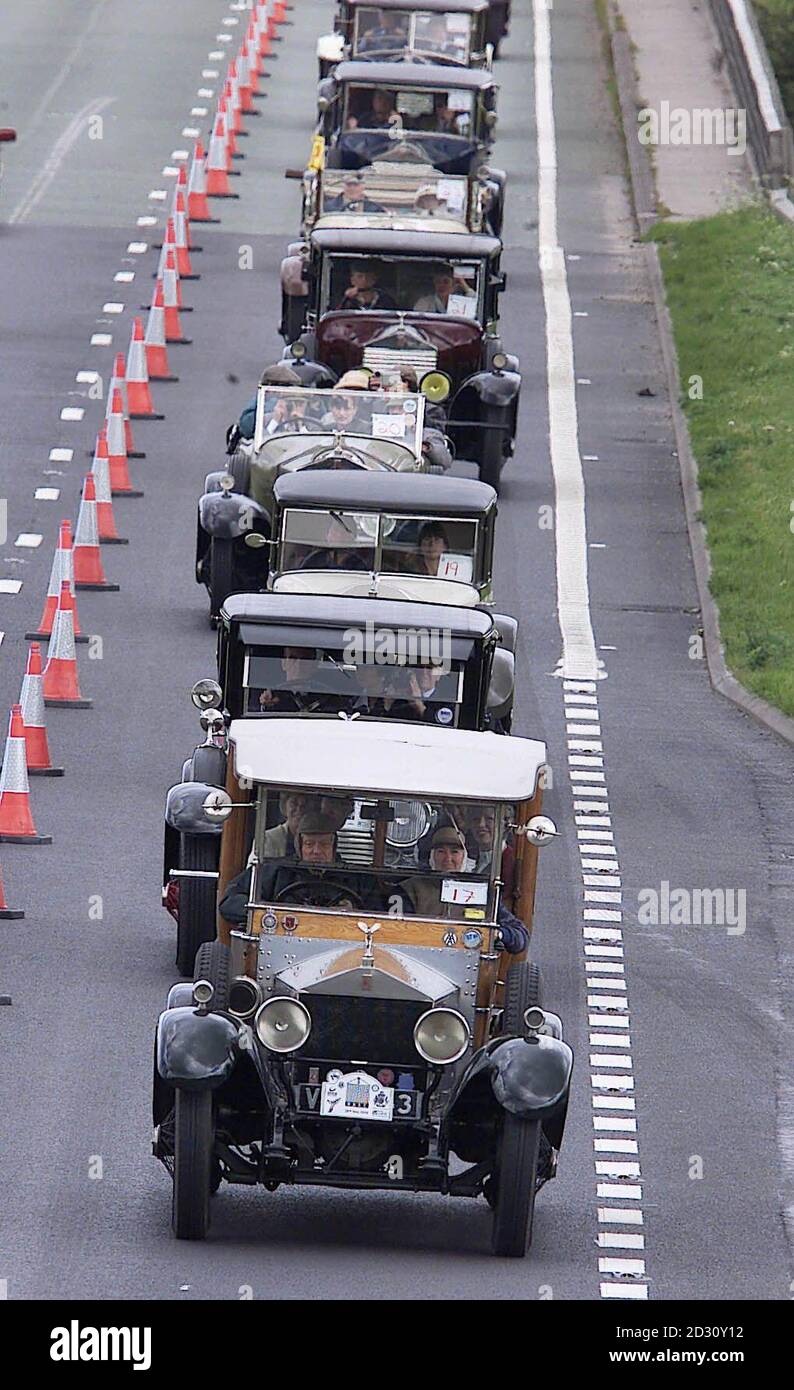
[(776, 18)]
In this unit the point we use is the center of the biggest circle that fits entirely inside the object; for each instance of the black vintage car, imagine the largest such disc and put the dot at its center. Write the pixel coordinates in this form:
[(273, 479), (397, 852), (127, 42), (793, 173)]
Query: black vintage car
[(288, 655), (408, 297), (429, 31), (429, 113)]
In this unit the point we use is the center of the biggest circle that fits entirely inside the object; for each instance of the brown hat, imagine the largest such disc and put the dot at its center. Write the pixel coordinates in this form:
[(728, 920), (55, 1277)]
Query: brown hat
[(315, 823), (448, 835)]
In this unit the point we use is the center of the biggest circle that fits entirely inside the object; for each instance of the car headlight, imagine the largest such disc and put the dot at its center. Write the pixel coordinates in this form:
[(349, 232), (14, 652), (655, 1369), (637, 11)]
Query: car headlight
[(441, 1036), (435, 387), (499, 361), (283, 1024)]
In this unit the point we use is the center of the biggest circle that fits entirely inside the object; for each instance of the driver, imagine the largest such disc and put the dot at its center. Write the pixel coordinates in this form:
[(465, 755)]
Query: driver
[(381, 113), (353, 197), (363, 291), (288, 416), (386, 35), (337, 554), (449, 857), (308, 881), (277, 374), (300, 666)]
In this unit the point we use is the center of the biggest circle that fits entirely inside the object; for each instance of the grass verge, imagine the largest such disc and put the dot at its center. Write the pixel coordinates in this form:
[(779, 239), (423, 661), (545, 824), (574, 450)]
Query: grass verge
[(730, 288)]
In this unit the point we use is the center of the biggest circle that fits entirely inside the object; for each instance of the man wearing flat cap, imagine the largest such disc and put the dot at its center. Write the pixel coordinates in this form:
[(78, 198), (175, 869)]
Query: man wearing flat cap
[(308, 880), (449, 857)]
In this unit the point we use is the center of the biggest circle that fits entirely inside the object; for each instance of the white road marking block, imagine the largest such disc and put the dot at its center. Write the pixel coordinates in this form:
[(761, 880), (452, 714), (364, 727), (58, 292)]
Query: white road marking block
[(604, 1081), (28, 540), (147, 220), (137, 248), (606, 1001), (158, 195), (624, 1192), (61, 455), (198, 111), (600, 1021), (613, 1264), (124, 277), (614, 1103), (72, 412), (617, 1122), (191, 132), (620, 1216), (87, 378), (113, 308), (47, 494), (101, 339), (615, 1146), (10, 586), (594, 729), (610, 879), (621, 1240), (637, 1291)]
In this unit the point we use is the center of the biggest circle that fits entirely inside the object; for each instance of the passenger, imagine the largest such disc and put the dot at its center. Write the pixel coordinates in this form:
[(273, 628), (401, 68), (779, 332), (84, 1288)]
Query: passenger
[(436, 39), (445, 283), (363, 291), (448, 856), (480, 822), (279, 840), (433, 545), (380, 114), (342, 417)]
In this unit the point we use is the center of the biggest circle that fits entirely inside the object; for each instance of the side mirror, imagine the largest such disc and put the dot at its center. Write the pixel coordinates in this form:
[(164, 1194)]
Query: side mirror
[(322, 105), (255, 540), (217, 804), (207, 694), (540, 829), (498, 280)]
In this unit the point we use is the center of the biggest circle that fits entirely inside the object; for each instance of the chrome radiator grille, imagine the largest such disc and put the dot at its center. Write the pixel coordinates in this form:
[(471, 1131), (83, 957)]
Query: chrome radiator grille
[(421, 359)]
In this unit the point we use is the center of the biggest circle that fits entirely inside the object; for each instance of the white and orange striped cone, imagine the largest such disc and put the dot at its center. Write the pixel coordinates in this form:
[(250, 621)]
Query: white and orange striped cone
[(88, 569), (154, 339), (100, 472), (60, 681), (16, 817), (8, 914), (248, 76), (227, 115), (139, 396), (34, 719), (255, 64), (118, 382), (198, 209), (231, 97), (167, 244), (62, 568), (111, 441), (171, 303), (262, 24), (182, 239), (218, 163)]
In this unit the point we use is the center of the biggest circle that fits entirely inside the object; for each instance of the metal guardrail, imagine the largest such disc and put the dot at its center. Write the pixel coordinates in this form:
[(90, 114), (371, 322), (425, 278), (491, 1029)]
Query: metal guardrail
[(769, 131)]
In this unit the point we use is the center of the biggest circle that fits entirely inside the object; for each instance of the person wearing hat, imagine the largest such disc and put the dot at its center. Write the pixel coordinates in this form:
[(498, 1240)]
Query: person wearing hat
[(363, 291), (309, 880), (449, 857), (427, 202), (277, 374), (445, 283), (300, 692), (352, 198)]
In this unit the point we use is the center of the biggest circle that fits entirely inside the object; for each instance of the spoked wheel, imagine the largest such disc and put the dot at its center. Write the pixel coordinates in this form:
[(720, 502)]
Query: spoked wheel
[(515, 1178), (220, 564), (197, 898), (194, 1133)]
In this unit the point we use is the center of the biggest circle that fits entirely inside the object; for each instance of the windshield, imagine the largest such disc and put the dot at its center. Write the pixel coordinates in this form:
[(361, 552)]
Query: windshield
[(374, 673), (409, 858), (383, 32), (389, 414), (442, 548), (446, 111), (398, 191), (402, 283)]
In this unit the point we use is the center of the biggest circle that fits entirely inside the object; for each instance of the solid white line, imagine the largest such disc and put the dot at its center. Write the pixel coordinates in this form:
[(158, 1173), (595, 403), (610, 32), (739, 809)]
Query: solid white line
[(58, 154)]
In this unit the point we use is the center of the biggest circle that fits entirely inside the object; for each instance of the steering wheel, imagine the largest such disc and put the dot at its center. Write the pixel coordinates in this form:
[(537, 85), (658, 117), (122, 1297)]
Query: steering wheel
[(318, 893)]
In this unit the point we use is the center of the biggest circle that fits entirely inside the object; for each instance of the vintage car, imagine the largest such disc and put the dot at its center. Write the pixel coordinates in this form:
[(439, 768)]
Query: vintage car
[(407, 297), (406, 111), (424, 539), (430, 31), (296, 429), (417, 195), (367, 1016)]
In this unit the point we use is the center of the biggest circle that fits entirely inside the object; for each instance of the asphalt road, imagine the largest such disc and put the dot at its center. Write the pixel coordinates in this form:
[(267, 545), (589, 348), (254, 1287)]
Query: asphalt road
[(699, 796)]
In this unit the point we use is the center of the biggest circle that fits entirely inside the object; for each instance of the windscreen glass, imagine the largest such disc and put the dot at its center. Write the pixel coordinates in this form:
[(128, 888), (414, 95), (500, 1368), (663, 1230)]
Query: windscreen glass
[(383, 32), (445, 111), (398, 191), (392, 415), (410, 285), (439, 548)]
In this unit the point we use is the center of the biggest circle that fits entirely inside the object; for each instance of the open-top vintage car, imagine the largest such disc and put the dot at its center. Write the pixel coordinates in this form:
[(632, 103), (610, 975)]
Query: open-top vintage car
[(421, 538), (430, 31), (367, 1017), (296, 430), (390, 298), (415, 195), (432, 114)]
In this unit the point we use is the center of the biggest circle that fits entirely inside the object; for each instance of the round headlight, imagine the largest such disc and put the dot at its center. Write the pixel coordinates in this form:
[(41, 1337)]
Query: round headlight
[(499, 361), (298, 351), (441, 1036), (283, 1024), (244, 995), (435, 387)]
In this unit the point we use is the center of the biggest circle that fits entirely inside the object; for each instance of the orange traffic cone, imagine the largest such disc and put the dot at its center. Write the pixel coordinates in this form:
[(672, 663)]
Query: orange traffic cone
[(16, 817), (198, 209), (182, 239), (231, 97), (218, 164), (279, 11), (255, 64), (112, 443), (227, 115), (62, 568), (261, 33), (31, 700), (88, 571), (59, 682), (154, 340), (100, 471), (139, 397), (171, 304), (118, 382), (7, 914)]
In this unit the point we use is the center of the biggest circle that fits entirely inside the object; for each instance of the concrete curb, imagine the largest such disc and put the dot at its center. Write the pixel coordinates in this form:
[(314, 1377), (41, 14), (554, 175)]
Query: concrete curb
[(641, 177)]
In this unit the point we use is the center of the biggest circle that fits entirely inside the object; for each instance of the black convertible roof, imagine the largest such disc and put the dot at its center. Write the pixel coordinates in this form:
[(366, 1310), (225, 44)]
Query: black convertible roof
[(414, 75), (420, 6), (420, 494), (256, 612), (384, 240)]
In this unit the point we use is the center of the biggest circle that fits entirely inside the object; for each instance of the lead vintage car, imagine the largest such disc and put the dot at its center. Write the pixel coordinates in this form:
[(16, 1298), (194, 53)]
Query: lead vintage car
[(296, 430), (431, 31), (437, 115), (367, 1017), (403, 296)]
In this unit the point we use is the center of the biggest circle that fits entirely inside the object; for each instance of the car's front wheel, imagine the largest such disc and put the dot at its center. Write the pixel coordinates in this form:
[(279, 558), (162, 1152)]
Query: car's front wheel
[(194, 1134), (515, 1181)]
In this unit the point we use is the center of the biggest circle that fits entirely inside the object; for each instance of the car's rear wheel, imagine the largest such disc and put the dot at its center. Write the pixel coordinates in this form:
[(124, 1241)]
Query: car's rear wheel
[(221, 573), (197, 898), (194, 1133)]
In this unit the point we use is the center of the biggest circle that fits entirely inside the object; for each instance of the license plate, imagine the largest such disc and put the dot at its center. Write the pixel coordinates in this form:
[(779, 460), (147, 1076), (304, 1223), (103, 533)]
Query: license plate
[(356, 1096)]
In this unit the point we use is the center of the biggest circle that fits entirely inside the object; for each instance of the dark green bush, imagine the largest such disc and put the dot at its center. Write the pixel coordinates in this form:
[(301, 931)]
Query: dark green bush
[(776, 18)]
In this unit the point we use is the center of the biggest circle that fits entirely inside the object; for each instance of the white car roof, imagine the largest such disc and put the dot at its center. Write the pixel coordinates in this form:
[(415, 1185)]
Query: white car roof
[(410, 761)]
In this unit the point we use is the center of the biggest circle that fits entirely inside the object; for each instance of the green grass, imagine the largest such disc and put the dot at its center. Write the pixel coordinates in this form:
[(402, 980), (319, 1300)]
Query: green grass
[(730, 287)]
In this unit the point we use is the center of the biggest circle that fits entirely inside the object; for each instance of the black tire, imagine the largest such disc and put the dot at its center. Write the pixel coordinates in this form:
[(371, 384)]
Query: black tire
[(194, 1133), (492, 458), (220, 566), (197, 898), (515, 1179), (523, 990), (208, 764), (238, 465), (213, 964)]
